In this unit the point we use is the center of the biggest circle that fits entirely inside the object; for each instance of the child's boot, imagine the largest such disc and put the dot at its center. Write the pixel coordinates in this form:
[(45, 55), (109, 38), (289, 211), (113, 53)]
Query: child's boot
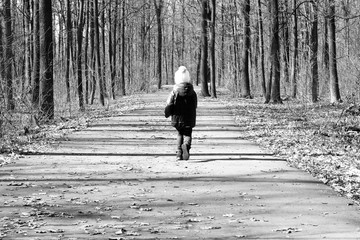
[(186, 148), (185, 151), (179, 154)]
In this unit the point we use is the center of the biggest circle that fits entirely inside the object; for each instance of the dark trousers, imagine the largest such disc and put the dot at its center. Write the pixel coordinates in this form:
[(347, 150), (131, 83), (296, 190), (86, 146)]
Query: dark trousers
[(184, 137)]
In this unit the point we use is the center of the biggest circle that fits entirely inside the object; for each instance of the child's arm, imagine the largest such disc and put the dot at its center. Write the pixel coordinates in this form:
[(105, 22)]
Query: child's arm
[(170, 98)]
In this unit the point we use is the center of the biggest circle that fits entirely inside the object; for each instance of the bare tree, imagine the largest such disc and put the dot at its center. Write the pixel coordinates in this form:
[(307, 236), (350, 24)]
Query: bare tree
[(123, 87), (69, 48), (204, 48), (314, 53), (158, 9), (8, 55), (36, 56), (212, 49), (334, 78), (98, 56), (262, 51), (296, 49), (245, 80), (46, 61), (275, 52), (79, 56)]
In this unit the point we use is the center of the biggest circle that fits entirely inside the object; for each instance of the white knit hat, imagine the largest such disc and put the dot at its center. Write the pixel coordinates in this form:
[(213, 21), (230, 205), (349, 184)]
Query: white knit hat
[(182, 75)]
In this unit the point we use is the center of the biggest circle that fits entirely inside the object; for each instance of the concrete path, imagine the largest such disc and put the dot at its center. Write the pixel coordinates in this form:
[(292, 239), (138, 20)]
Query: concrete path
[(118, 179)]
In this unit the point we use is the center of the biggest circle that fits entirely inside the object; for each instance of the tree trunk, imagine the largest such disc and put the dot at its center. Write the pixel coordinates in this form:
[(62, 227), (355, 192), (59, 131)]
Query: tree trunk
[(173, 42), (93, 53), (286, 55), (2, 60), (36, 56), (326, 57), (68, 48), (111, 51), (334, 78), (314, 54), (275, 52), (245, 80), (87, 62), (262, 51), (98, 56), (8, 55), (114, 49), (46, 61), (103, 62), (123, 86), (296, 49), (79, 57), (212, 49), (204, 50), (158, 10), (27, 49), (221, 69)]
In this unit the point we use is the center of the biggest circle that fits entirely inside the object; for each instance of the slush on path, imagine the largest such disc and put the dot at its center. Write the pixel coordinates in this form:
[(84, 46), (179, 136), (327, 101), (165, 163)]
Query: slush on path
[(119, 179)]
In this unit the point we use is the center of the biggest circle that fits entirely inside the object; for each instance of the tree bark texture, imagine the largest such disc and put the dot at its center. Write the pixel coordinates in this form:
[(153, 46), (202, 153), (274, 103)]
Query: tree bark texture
[(204, 49), (97, 53), (68, 48), (8, 56), (79, 57), (262, 51), (245, 80), (46, 61), (275, 52), (158, 10), (295, 56), (334, 78), (314, 54), (212, 49), (36, 56)]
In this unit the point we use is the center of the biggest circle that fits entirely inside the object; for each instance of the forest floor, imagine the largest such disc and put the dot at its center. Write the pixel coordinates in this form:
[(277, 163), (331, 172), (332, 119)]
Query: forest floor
[(113, 175)]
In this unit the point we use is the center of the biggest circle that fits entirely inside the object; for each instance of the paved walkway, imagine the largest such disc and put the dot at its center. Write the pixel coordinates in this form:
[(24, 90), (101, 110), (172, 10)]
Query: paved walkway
[(118, 179)]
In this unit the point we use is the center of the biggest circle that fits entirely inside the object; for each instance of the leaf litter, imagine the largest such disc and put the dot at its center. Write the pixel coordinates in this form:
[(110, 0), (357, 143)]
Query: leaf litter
[(317, 138)]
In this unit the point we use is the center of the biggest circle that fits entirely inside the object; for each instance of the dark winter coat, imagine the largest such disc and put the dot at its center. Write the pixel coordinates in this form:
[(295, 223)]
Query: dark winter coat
[(184, 103)]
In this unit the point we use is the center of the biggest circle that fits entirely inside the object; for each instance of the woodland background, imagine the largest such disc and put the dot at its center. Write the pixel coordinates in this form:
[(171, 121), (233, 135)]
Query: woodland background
[(61, 57)]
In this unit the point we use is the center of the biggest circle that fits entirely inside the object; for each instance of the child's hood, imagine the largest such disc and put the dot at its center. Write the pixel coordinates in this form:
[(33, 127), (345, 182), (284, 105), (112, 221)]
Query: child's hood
[(184, 89)]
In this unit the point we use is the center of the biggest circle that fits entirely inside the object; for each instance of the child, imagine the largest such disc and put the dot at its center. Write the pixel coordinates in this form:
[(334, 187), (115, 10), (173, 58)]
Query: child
[(183, 102)]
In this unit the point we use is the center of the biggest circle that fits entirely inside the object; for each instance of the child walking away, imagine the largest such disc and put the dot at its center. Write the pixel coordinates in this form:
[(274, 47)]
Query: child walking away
[(181, 105)]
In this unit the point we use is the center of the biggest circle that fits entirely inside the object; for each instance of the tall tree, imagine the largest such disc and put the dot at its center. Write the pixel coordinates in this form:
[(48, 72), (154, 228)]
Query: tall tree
[(295, 56), (158, 9), (92, 52), (261, 46), (204, 48), (314, 53), (68, 48), (212, 48), (36, 56), (112, 48), (46, 61), (222, 44), (123, 87), (2, 62), (27, 48), (286, 40), (245, 80), (325, 54), (9, 55), (275, 52), (334, 78), (86, 54), (79, 56), (98, 56)]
